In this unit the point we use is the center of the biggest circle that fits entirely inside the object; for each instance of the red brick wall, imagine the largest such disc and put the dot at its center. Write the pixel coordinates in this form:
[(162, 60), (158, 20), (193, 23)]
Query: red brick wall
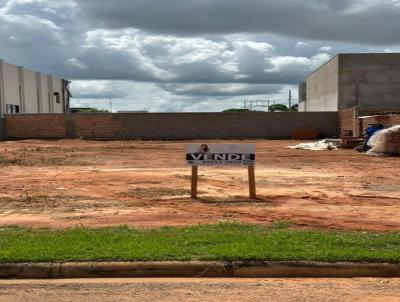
[(348, 121), (387, 120), (97, 125), (35, 126), (2, 129), (170, 126)]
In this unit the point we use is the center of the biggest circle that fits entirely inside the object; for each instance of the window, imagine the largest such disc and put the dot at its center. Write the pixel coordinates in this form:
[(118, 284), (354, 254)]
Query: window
[(58, 97), (12, 108)]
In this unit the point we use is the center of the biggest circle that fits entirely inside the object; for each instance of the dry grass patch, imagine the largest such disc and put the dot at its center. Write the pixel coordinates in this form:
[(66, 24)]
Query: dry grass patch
[(155, 192)]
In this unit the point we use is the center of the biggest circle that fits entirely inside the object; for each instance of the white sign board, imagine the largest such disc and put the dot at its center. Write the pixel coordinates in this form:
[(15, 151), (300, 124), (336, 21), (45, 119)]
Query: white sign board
[(220, 154)]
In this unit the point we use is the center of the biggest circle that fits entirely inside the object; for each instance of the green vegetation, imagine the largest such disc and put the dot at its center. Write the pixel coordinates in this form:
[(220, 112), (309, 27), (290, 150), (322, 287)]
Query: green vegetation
[(278, 107), (92, 110), (281, 224), (205, 242), (283, 108), (236, 110)]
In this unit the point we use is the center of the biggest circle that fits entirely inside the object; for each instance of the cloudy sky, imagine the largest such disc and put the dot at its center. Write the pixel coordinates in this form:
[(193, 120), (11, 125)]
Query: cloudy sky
[(189, 55)]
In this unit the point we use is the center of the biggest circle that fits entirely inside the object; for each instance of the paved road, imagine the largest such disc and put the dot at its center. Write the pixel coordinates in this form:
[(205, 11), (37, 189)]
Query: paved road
[(152, 290)]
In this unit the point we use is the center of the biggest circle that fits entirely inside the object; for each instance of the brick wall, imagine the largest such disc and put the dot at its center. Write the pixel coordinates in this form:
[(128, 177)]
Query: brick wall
[(2, 129), (348, 121), (170, 126), (98, 126), (35, 126), (387, 120)]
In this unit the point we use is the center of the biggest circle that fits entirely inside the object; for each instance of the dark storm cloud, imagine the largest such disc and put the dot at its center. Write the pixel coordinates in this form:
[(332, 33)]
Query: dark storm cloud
[(363, 21), (189, 54)]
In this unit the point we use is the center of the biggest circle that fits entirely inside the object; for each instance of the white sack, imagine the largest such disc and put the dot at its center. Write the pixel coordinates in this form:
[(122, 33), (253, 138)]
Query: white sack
[(385, 142)]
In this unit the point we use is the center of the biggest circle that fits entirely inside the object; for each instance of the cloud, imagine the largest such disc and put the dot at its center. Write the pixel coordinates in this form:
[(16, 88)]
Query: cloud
[(218, 90), (75, 64), (134, 55), (290, 64), (363, 21), (96, 89), (172, 55), (326, 48)]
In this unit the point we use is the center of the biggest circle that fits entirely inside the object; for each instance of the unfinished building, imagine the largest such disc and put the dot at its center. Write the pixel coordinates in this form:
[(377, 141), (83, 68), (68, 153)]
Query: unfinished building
[(26, 91), (354, 85)]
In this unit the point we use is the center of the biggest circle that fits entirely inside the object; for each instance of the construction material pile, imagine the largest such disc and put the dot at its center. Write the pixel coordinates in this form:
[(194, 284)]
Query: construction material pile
[(385, 142), (326, 144)]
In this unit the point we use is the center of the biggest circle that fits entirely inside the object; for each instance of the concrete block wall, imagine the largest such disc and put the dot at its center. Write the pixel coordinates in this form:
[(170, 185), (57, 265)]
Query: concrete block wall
[(322, 88), (371, 80), (170, 126), (302, 107)]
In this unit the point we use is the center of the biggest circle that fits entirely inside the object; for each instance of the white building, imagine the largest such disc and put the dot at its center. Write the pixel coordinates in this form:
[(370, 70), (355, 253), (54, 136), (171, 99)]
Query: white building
[(26, 91)]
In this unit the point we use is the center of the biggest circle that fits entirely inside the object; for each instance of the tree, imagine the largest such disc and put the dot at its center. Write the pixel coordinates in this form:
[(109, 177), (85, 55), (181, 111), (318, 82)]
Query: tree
[(236, 110), (92, 110), (278, 108)]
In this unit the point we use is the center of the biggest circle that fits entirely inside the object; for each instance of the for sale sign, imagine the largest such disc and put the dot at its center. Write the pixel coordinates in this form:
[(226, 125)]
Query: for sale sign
[(220, 154)]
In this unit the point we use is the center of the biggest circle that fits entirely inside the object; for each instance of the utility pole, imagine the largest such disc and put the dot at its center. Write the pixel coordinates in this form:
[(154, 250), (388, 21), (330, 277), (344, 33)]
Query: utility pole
[(290, 99), (111, 105)]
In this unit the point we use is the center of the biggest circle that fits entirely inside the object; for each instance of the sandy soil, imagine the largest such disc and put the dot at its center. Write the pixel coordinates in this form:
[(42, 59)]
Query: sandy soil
[(146, 184), (282, 290)]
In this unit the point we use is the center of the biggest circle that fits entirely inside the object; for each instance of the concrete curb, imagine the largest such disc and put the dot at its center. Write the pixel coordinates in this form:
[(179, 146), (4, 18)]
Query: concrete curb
[(260, 269)]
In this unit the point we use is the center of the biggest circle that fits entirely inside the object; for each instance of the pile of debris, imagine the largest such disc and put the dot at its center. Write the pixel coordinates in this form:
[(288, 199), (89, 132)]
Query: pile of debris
[(325, 144), (377, 141), (385, 142)]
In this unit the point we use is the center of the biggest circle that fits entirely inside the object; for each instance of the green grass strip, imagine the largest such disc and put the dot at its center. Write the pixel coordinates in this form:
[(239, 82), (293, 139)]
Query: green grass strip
[(230, 241)]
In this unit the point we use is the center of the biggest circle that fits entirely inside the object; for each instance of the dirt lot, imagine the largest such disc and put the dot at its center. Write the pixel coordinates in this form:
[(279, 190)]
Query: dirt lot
[(72, 183), (191, 290)]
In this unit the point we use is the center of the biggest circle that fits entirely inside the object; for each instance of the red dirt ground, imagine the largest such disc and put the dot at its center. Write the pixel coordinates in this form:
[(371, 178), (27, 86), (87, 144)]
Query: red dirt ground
[(146, 184), (204, 290)]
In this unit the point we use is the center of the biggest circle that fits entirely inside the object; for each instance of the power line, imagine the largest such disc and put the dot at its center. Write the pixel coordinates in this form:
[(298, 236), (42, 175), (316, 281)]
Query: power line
[(264, 105)]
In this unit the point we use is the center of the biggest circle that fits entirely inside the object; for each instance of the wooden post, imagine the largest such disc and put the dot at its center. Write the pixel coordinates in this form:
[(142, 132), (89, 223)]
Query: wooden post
[(252, 182), (194, 181)]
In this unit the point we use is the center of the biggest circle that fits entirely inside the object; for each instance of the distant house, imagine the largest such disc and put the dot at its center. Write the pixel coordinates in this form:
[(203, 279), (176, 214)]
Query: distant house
[(26, 91), (354, 85)]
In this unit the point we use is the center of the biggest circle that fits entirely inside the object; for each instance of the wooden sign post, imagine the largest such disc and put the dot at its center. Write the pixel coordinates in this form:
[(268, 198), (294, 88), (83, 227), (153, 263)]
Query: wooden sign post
[(221, 155), (252, 182), (195, 176)]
